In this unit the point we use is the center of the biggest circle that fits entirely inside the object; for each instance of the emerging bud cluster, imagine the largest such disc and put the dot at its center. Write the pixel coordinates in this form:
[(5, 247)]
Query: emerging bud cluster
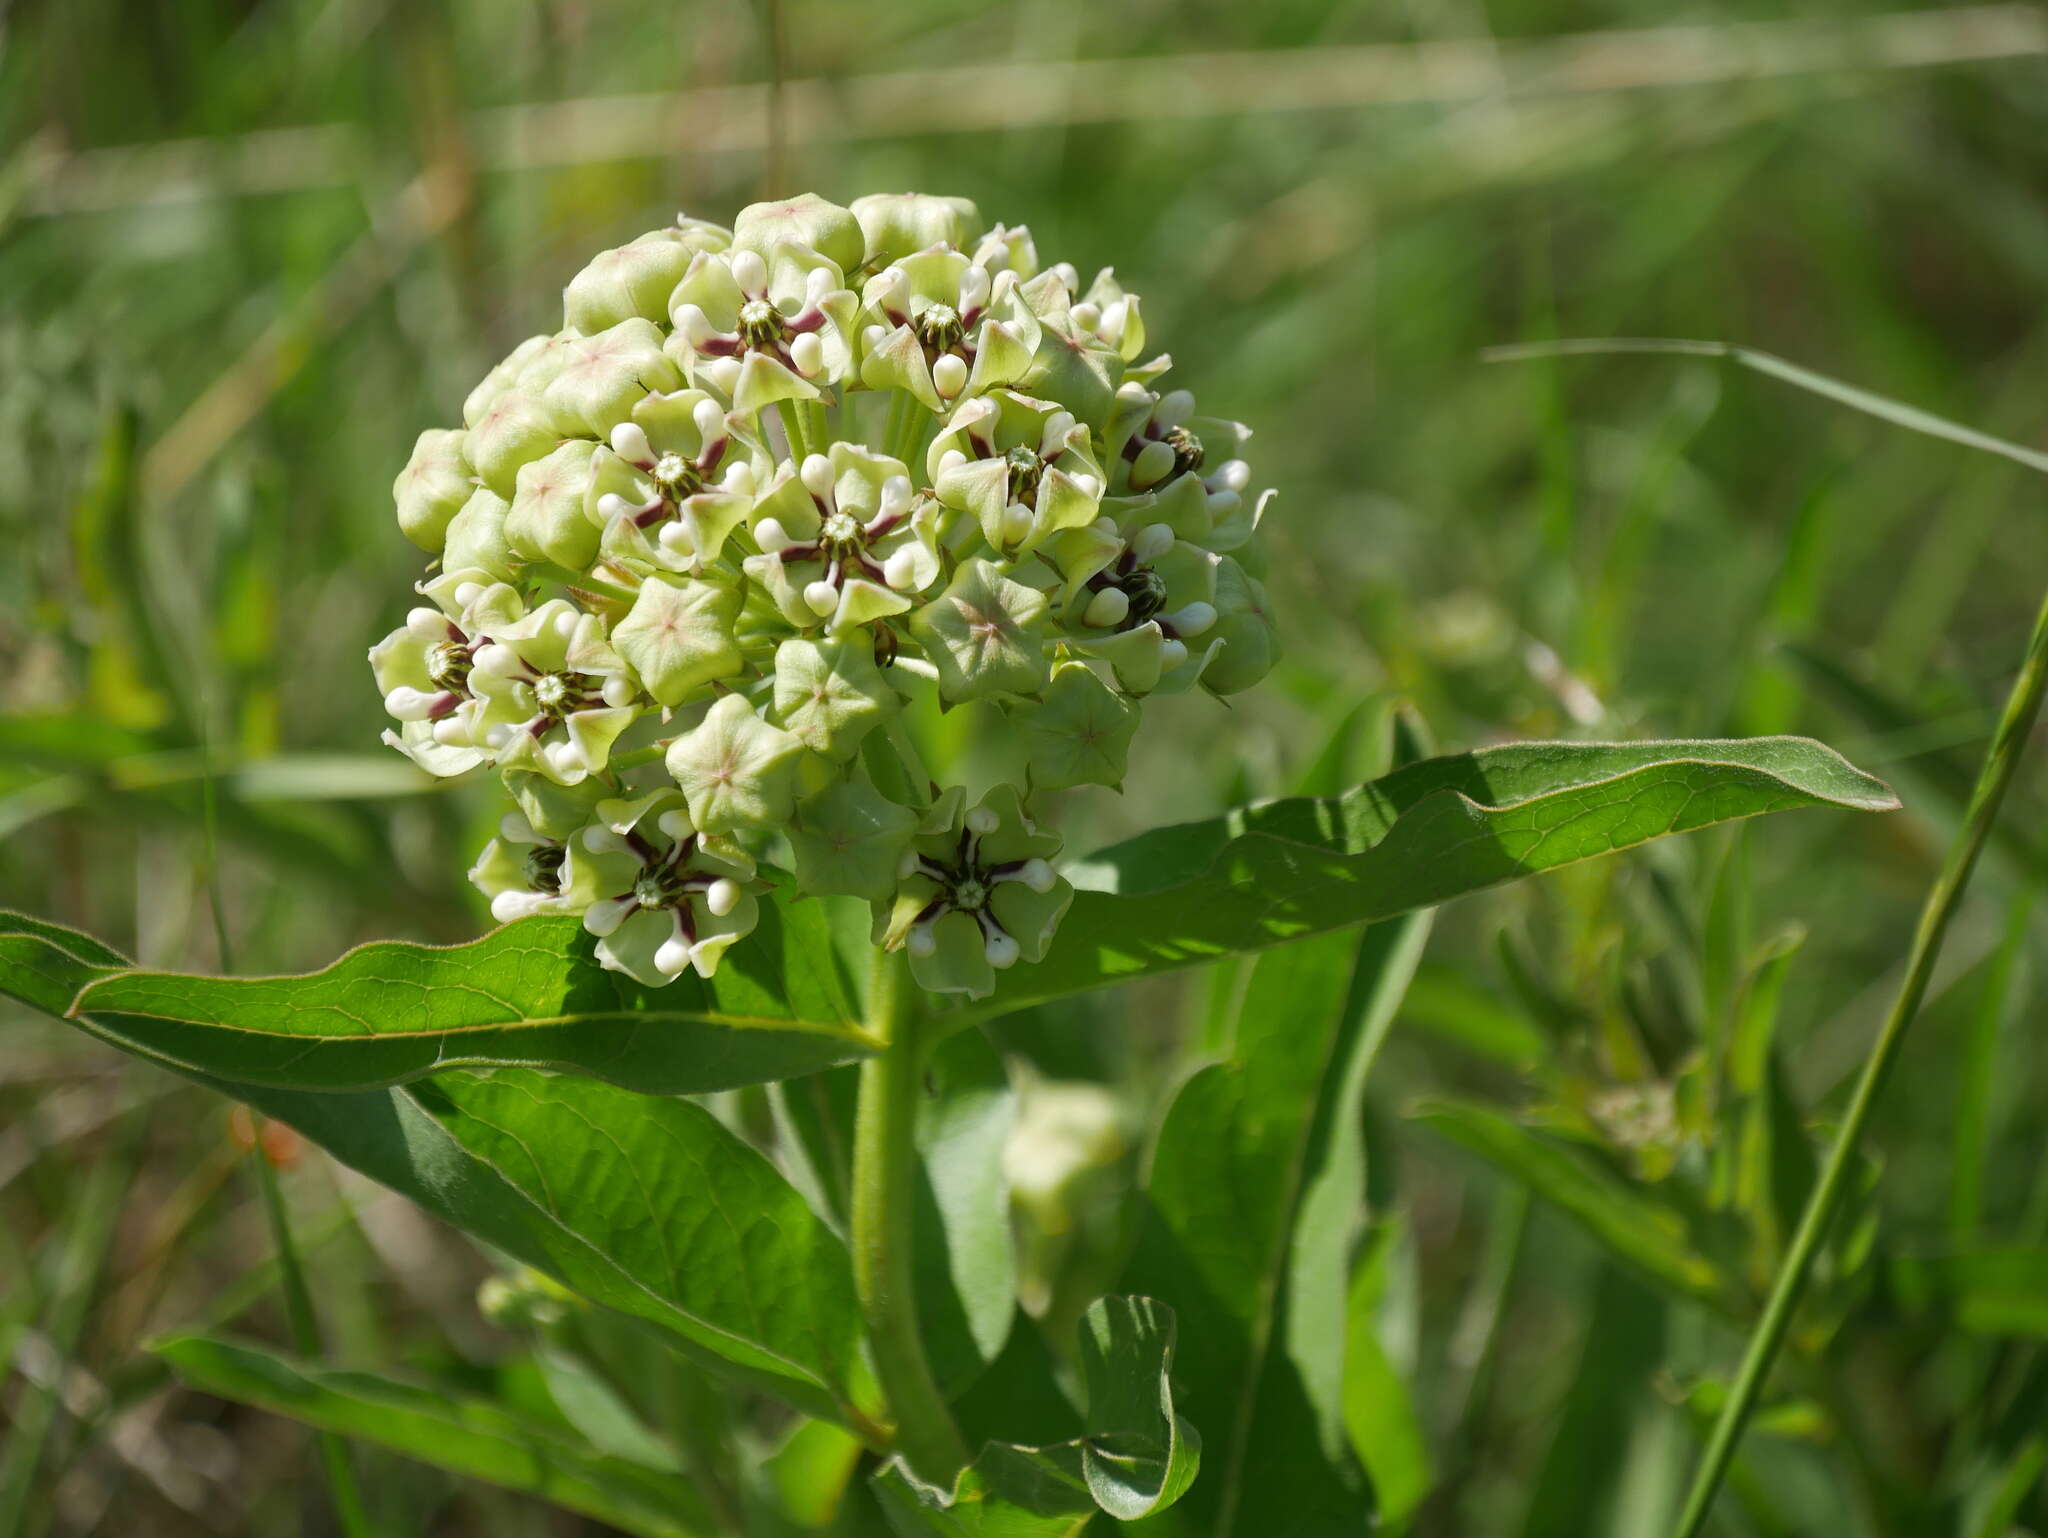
[(697, 553)]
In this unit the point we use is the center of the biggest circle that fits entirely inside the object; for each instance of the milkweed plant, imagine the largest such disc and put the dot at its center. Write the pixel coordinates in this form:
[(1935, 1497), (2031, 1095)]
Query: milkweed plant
[(769, 490), (704, 567)]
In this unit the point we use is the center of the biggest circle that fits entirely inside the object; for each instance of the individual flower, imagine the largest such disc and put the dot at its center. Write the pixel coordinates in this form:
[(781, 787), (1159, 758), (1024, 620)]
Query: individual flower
[(1022, 468), (555, 695), (673, 481), (805, 222), (897, 224), (737, 771), (1248, 642), (829, 694), (659, 895), (603, 377), (423, 669), (433, 486), (679, 636), (637, 278), (844, 540), (849, 840), (546, 521), (984, 634), (1081, 733), (1138, 597), (975, 893), (521, 872), (938, 325), (758, 332), (1159, 439)]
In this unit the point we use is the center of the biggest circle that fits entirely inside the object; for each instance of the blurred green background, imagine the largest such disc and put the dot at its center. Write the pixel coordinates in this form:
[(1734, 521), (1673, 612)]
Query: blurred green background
[(248, 250)]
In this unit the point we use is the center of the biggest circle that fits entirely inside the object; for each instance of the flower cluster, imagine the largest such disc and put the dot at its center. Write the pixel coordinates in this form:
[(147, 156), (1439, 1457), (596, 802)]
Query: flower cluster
[(701, 556)]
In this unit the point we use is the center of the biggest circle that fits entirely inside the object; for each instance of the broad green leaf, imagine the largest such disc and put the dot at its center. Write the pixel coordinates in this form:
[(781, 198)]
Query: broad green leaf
[(1138, 1457), (1283, 870), (678, 1203), (1633, 1225), (44, 964), (527, 994), (1248, 1146), (1007, 1492), (966, 1257), (764, 1293), (436, 1425)]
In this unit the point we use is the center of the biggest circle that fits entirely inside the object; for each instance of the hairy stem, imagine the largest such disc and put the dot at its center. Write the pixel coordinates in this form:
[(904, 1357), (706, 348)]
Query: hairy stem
[(884, 1185), (2021, 708)]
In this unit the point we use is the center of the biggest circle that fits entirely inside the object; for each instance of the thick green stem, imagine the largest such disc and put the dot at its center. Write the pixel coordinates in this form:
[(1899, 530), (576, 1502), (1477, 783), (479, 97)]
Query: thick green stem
[(2021, 708), (884, 1188)]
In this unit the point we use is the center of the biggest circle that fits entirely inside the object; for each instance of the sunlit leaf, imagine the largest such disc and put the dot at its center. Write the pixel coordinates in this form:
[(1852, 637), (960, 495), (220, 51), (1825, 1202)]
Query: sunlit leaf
[(1283, 870), (529, 993)]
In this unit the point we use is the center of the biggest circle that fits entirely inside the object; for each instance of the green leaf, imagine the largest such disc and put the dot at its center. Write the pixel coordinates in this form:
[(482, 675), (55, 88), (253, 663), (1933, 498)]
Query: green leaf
[(1138, 1457), (437, 1425), (1632, 1225), (44, 965), (528, 994), (1283, 870), (678, 1204), (966, 1255), (1007, 1492), (645, 1205), (1253, 1203)]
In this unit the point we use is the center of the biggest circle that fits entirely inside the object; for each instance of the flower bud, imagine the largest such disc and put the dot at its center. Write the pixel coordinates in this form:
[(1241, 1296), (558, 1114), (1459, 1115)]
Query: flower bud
[(431, 489)]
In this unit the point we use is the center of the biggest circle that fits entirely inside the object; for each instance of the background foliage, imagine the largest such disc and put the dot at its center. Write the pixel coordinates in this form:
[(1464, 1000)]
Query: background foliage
[(248, 250)]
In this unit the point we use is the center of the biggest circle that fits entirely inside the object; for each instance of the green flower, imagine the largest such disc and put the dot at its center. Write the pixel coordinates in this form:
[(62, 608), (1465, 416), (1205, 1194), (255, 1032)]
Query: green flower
[(1081, 734), (673, 483), (738, 771), (843, 541), (849, 841), (476, 540), (829, 694), (546, 521), (1138, 597), (521, 872), (898, 224), (423, 670), (660, 895), (678, 637), (1021, 467), (938, 325), (432, 487), (636, 279), (1249, 643), (975, 893), (983, 634), (554, 693), (756, 332), (603, 377), (514, 430), (805, 221)]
